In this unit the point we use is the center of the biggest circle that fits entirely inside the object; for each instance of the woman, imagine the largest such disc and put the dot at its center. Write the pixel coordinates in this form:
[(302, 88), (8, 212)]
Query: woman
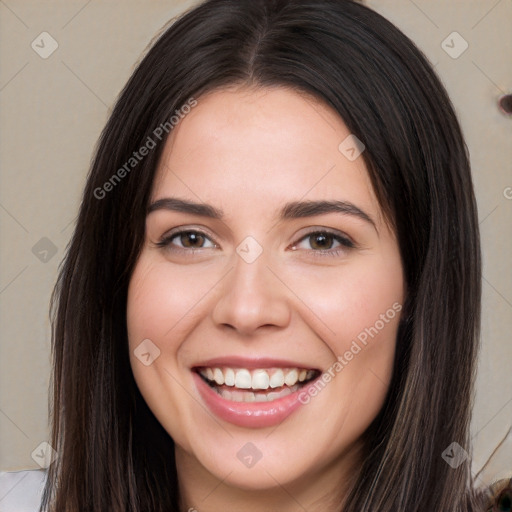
[(272, 296)]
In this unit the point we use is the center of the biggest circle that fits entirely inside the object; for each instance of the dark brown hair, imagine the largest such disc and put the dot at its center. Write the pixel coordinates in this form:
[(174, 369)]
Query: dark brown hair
[(113, 453)]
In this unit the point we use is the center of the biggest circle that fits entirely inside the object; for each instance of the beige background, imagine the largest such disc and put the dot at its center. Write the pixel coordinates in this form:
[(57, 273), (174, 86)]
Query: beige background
[(52, 111)]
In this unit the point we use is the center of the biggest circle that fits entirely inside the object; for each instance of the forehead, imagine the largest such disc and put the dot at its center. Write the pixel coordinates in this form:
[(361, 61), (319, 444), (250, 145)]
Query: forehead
[(261, 147)]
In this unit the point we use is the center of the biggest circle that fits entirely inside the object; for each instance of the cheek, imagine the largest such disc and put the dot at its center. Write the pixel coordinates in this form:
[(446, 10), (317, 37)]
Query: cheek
[(156, 309), (165, 303), (349, 301), (359, 307), (162, 305), (162, 299)]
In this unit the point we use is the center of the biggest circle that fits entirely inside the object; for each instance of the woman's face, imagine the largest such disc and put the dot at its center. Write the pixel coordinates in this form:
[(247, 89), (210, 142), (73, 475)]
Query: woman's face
[(264, 307)]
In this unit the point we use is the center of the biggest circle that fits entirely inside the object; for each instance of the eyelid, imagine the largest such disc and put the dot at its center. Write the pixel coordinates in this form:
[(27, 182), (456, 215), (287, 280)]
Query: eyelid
[(165, 239), (346, 241)]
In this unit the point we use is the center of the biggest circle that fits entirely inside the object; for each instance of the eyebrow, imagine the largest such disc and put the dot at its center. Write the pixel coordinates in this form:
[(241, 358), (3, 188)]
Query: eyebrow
[(291, 210)]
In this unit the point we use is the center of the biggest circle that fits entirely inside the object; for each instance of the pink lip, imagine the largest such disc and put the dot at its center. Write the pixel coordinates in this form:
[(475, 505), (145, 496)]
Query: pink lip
[(248, 414), (244, 362)]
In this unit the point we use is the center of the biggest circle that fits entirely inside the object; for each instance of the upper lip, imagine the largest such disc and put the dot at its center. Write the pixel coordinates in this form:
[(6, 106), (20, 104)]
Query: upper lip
[(251, 363)]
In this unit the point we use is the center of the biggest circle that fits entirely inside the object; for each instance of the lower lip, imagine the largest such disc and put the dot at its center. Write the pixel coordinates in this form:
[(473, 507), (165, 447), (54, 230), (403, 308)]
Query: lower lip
[(249, 414)]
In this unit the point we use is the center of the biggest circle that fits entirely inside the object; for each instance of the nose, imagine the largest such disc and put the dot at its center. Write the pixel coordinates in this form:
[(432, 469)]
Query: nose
[(251, 297)]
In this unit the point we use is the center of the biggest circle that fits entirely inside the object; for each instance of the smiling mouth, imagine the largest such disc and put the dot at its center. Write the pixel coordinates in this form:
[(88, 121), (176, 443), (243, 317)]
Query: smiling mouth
[(258, 385)]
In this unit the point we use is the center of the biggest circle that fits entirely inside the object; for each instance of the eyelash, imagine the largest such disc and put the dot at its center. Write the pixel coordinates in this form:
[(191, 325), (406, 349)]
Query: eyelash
[(345, 242)]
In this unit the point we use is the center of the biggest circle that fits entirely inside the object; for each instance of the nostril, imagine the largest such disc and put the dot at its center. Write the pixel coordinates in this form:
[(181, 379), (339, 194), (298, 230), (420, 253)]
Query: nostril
[(505, 103)]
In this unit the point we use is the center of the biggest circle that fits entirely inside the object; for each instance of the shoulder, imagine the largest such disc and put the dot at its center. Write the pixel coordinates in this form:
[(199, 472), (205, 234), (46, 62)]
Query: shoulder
[(21, 491), (498, 496)]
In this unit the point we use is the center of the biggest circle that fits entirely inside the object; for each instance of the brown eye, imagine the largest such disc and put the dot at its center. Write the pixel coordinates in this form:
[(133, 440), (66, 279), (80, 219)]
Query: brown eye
[(321, 241), (186, 239), (324, 243), (191, 239)]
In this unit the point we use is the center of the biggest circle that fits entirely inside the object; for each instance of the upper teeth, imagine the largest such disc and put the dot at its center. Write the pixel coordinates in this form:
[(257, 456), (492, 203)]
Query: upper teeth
[(243, 378)]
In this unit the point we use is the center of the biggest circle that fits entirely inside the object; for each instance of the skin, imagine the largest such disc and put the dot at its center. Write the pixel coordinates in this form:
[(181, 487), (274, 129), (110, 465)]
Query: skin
[(248, 151)]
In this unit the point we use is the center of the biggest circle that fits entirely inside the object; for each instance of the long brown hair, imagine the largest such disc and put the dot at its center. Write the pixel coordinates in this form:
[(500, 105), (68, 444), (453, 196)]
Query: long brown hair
[(113, 453)]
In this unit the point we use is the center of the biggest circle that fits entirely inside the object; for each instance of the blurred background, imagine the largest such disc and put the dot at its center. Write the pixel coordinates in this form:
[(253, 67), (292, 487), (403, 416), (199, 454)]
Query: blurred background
[(62, 64)]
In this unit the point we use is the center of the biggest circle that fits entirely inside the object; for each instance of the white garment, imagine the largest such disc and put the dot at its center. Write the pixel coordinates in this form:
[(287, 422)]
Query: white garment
[(21, 491)]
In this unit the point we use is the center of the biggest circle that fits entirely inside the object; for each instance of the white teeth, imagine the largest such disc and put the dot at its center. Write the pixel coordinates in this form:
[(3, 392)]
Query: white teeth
[(260, 379), (291, 378), (247, 396), (243, 379), (277, 380), (218, 376), (229, 377), (237, 397)]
